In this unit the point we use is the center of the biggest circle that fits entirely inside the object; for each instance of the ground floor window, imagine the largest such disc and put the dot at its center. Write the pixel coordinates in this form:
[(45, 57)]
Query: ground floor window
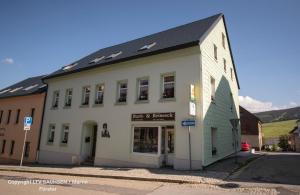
[(12, 146), (27, 149), (145, 140), (3, 146), (65, 134)]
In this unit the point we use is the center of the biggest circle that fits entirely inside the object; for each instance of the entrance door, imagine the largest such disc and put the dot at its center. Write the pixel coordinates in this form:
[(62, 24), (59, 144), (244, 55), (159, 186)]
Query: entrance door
[(94, 141), (169, 145)]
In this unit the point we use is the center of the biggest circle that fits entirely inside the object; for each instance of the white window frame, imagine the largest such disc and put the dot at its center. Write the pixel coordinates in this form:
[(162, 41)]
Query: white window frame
[(213, 89), (139, 86), (215, 52), (67, 96), (65, 129), (225, 65), (163, 83), (97, 92), (55, 99), (84, 95), (50, 130), (119, 83), (223, 40)]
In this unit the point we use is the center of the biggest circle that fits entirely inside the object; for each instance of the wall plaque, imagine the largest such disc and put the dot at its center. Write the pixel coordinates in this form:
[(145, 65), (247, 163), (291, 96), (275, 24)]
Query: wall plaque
[(159, 116)]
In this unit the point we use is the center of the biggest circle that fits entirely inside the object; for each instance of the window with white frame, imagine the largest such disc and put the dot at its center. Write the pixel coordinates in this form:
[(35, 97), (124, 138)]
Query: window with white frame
[(68, 98), (55, 99), (145, 140), (51, 134), (143, 88), (65, 134), (168, 86), (215, 52), (86, 91), (213, 141), (225, 65), (122, 92), (99, 94), (231, 73), (223, 41), (213, 89)]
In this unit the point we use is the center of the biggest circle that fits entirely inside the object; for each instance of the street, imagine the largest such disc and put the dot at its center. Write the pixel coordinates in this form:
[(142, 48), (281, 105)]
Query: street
[(10, 184)]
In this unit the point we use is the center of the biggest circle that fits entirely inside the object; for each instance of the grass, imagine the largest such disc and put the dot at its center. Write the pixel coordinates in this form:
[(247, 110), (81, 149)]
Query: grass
[(275, 129)]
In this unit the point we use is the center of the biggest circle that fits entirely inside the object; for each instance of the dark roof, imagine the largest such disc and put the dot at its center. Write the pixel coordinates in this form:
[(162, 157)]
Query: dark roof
[(242, 109), (179, 37), (292, 131), (28, 86)]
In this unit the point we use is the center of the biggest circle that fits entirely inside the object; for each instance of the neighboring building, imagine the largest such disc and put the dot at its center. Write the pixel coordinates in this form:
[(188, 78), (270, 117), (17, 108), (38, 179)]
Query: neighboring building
[(123, 105), (25, 98), (294, 137), (251, 127)]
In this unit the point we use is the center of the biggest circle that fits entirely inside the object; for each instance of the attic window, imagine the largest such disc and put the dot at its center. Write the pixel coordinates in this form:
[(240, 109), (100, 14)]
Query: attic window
[(16, 89), (30, 87), (113, 55), (69, 66), (4, 91), (145, 47), (96, 60)]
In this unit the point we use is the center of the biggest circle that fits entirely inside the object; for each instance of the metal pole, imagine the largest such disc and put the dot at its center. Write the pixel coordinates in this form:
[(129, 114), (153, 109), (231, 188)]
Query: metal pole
[(23, 148), (190, 150)]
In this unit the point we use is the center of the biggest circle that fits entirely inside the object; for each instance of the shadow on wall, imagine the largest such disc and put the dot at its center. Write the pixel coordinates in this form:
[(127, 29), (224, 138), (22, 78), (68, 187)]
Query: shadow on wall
[(219, 136)]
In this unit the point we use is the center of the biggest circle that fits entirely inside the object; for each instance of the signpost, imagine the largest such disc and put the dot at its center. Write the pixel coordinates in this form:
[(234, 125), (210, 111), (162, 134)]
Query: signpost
[(27, 125), (189, 123)]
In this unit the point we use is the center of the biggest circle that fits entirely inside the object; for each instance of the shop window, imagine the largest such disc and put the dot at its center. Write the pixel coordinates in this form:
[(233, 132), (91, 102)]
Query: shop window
[(68, 97), (65, 134), (51, 134), (145, 140), (122, 92), (55, 99), (99, 94), (143, 88), (168, 86), (86, 95)]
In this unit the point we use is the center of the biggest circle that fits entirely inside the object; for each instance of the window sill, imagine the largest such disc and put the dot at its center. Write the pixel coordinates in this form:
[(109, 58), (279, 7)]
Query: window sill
[(141, 101), (146, 154), (84, 106), (98, 105), (67, 107), (120, 103), (167, 99)]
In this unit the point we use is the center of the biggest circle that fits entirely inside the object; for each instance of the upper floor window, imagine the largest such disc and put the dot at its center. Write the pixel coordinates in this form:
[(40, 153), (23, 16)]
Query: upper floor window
[(68, 98), (215, 52), (86, 91), (12, 146), (223, 41), (65, 134), (1, 116), (231, 73), (51, 134), (3, 146), (213, 88), (55, 99), (168, 86), (8, 117), (122, 91), (18, 116), (32, 114), (99, 94), (225, 66), (143, 88)]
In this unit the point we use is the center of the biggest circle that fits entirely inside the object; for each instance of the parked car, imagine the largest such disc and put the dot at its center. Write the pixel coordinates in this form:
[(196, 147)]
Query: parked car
[(246, 146)]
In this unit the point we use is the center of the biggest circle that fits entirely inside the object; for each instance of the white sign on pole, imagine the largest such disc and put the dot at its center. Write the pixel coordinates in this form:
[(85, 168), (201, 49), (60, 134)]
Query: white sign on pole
[(192, 109)]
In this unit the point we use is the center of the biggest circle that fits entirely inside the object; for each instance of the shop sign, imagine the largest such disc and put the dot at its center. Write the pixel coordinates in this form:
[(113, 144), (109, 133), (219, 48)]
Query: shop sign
[(160, 116)]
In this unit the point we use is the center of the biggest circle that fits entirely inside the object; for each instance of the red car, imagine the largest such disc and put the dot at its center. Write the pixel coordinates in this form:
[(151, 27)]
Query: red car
[(245, 146)]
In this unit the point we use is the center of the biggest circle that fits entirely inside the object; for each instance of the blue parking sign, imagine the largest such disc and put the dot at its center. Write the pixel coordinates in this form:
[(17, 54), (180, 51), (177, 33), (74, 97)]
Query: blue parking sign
[(27, 121)]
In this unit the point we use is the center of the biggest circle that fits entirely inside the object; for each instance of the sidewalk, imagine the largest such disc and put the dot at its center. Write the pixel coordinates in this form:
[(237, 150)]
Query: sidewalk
[(214, 174)]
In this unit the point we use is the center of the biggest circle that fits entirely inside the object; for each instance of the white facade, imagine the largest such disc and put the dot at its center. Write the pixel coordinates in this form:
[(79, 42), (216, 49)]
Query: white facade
[(194, 65)]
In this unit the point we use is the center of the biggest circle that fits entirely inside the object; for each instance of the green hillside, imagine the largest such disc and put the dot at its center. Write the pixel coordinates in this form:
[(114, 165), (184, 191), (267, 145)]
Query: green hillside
[(275, 129)]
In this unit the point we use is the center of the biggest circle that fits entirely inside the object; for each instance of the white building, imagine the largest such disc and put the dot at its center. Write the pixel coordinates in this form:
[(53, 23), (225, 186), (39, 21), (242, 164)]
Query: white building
[(123, 105)]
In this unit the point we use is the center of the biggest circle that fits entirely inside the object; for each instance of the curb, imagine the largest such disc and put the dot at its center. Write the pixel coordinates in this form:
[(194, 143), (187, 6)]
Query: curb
[(107, 176)]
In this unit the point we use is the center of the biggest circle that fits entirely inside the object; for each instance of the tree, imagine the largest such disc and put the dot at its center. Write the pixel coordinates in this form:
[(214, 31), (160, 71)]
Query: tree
[(284, 142)]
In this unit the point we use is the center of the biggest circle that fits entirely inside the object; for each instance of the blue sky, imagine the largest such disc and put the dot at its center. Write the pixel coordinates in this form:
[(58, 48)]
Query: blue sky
[(38, 37)]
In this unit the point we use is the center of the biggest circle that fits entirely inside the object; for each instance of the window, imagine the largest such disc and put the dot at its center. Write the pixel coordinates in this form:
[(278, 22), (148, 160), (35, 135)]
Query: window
[(68, 97), (168, 86), (65, 134), (96, 60), (213, 89), (113, 55), (86, 95), (18, 116), (231, 73), (122, 92), (12, 146), (225, 67), (70, 66), (1, 115), (99, 94), (31, 87), (215, 52), (3, 146), (145, 140), (143, 87), (223, 40), (145, 47), (32, 114), (27, 149), (8, 117), (55, 99), (51, 134), (213, 141)]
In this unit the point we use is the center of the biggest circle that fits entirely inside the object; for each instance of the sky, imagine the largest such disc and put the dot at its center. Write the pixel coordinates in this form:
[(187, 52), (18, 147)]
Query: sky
[(40, 36)]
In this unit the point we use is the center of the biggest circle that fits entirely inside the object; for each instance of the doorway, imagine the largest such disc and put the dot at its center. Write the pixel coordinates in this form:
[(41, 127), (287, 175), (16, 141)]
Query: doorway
[(89, 142), (168, 138)]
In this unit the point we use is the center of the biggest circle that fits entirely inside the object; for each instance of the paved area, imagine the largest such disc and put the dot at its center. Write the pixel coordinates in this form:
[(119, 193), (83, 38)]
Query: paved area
[(13, 183)]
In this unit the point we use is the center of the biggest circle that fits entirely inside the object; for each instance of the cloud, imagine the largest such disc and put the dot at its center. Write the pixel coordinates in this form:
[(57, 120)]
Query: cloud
[(254, 105), (8, 61)]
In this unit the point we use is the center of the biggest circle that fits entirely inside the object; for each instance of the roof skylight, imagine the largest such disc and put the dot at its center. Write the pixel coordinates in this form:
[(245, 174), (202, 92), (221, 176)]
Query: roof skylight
[(16, 89), (30, 87), (97, 60), (145, 47), (42, 86), (4, 91), (113, 55), (68, 67)]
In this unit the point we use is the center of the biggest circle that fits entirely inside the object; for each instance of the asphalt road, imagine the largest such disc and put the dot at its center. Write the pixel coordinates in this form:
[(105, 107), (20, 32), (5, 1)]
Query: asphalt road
[(13, 183)]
